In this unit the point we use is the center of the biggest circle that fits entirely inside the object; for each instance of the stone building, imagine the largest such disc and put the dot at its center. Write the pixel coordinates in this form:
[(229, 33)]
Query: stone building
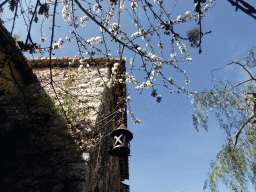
[(56, 124)]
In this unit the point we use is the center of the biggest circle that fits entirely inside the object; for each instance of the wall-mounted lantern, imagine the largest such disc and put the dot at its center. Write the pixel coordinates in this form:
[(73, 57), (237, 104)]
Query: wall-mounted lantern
[(121, 137)]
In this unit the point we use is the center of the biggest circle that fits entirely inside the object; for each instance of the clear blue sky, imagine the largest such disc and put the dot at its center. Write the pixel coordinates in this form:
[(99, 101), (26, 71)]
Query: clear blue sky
[(168, 155)]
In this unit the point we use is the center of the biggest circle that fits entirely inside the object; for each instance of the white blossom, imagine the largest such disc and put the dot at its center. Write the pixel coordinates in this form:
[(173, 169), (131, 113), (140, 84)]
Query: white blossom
[(55, 46), (137, 121), (128, 98), (96, 8), (110, 16), (84, 20), (68, 39), (66, 13), (183, 49), (121, 6), (116, 27), (187, 82), (179, 18), (173, 55), (148, 84), (43, 39), (189, 60), (171, 80), (206, 7), (131, 61), (188, 14), (134, 5), (61, 43)]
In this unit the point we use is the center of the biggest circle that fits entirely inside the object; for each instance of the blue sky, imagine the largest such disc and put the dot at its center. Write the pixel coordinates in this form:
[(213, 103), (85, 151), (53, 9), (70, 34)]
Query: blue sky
[(168, 155)]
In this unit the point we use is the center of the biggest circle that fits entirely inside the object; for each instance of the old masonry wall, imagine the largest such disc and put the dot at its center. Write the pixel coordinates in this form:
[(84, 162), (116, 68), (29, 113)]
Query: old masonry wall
[(55, 137)]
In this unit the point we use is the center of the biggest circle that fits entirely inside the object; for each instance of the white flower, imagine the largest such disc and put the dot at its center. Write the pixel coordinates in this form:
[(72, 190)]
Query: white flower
[(183, 49), (43, 39), (137, 121), (148, 84), (187, 82), (173, 55), (160, 45), (121, 6), (154, 73), (84, 20), (171, 80), (188, 14), (152, 79), (110, 16), (128, 98), (116, 27), (66, 13), (134, 5), (96, 8), (179, 18), (61, 43), (206, 7), (189, 60), (55, 46), (131, 61), (68, 39)]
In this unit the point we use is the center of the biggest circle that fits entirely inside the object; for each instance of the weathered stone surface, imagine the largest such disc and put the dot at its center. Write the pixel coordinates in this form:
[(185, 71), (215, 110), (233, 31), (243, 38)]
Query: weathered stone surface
[(43, 150)]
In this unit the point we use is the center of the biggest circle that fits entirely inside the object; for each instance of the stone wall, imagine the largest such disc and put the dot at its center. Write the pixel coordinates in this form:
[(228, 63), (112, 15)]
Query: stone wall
[(55, 137)]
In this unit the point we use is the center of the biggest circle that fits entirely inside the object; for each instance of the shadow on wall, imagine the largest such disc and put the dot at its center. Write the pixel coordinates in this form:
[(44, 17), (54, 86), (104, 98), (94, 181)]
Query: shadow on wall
[(39, 153)]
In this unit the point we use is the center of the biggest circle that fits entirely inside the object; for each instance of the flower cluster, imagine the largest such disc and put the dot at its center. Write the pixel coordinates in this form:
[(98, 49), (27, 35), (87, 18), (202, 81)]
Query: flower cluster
[(66, 13), (84, 20), (137, 33), (183, 49), (110, 16), (94, 40), (59, 44), (131, 79), (115, 27), (193, 36)]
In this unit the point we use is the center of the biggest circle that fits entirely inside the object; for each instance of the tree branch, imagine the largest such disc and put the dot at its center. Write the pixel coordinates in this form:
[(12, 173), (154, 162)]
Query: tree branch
[(249, 11), (2, 4), (247, 121), (98, 23)]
